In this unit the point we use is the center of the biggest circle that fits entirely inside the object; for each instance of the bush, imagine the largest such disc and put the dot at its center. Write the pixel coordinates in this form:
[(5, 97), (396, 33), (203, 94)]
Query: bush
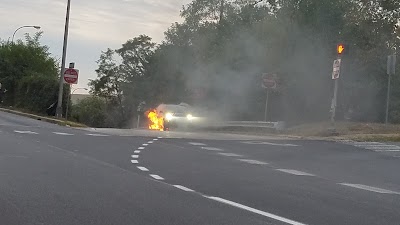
[(90, 111)]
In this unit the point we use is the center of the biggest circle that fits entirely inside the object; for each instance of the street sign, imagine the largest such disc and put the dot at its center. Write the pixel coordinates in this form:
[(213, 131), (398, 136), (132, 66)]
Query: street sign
[(268, 81), (71, 76), (336, 69), (391, 65)]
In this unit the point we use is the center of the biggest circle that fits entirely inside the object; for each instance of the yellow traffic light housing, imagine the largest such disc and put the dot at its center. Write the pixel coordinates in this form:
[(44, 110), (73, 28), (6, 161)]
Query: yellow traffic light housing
[(340, 49)]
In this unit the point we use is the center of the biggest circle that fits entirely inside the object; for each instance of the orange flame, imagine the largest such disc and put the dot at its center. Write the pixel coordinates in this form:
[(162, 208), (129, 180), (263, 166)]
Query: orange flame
[(156, 121)]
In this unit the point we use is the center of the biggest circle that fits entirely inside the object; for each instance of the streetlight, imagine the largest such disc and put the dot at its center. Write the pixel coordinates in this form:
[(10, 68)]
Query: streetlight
[(36, 27), (69, 97)]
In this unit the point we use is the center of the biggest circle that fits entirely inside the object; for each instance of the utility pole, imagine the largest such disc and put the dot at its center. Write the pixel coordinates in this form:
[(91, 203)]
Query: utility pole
[(64, 54)]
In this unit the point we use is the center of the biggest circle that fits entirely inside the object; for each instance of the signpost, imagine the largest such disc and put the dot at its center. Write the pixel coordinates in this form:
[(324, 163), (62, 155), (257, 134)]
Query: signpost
[(268, 82), (335, 76), (71, 76), (391, 70)]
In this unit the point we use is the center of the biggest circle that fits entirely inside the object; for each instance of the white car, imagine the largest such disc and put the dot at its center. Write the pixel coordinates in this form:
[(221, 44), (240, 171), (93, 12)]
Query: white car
[(176, 116)]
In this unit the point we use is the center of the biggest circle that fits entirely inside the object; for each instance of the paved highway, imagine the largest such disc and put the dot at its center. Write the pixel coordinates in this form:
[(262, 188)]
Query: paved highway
[(59, 175)]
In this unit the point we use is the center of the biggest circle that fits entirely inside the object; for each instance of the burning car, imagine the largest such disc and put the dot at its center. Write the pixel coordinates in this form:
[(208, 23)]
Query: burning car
[(169, 116), (175, 116)]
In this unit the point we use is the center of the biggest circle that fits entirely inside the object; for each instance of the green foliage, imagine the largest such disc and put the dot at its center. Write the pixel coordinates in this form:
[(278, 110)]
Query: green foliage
[(90, 111), (29, 74), (223, 46)]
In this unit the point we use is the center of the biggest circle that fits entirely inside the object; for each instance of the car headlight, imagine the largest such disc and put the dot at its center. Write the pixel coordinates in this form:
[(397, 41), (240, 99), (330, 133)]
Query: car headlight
[(169, 116), (189, 116)]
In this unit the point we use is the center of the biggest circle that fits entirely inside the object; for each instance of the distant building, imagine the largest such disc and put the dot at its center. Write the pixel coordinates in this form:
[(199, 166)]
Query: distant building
[(75, 98)]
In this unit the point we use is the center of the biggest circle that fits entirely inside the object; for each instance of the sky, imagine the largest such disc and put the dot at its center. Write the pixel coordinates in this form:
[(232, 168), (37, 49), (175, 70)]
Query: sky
[(95, 25)]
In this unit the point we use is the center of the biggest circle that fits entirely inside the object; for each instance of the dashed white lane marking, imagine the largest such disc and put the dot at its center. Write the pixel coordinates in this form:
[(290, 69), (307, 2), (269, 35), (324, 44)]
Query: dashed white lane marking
[(145, 144), (136, 151), (156, 177), (369, 188), (197, 144), (134, 161), (61, 133), (24, 132), (211, 149), (155, 139), (229, 154), (183, 188), (135, 156), (295, 172), (142, 168), (159, 137), (150, 142), (252, 161), (98, 135), (253, 210), (141, 148), (268, 143)]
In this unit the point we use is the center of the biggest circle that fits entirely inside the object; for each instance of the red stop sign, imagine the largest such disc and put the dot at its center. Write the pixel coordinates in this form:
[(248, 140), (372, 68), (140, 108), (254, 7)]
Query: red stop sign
[(71, 76), (268, 81)]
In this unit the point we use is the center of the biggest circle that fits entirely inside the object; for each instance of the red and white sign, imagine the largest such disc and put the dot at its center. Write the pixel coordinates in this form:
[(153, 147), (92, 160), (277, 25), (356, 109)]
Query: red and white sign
[(269, 81), (71, 76)]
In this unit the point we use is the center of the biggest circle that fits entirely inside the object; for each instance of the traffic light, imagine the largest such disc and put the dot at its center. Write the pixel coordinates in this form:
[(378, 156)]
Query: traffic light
[(341, 48)]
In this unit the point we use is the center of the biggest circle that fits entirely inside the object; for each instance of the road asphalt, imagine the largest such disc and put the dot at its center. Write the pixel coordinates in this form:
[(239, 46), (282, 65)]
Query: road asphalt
[(51, 174)]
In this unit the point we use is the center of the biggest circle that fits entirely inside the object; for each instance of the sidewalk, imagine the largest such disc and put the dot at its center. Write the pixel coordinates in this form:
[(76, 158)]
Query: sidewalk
[(44, 118)]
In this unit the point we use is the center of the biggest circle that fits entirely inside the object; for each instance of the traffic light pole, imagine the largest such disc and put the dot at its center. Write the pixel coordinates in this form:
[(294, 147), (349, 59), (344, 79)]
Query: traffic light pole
[(334, 103)]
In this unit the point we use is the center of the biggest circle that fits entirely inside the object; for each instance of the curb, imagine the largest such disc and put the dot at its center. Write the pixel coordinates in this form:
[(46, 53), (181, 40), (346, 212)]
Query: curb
[(42, 118)]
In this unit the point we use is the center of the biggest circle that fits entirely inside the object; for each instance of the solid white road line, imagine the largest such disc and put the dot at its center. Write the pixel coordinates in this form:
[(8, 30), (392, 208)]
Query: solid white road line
[(183, 188), (295, 172), (369, 188), (145, 144), (150, 142), (142, 168), (366, 143), (65, 134), (253, 210), (229, 154), (196, 144), (388, 150), (394, 147), (374, 145), (135, 156), (156, 177), (252, 161), (134, 161), (141, 148), (211, 149), (136, 151), (24, 132)]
